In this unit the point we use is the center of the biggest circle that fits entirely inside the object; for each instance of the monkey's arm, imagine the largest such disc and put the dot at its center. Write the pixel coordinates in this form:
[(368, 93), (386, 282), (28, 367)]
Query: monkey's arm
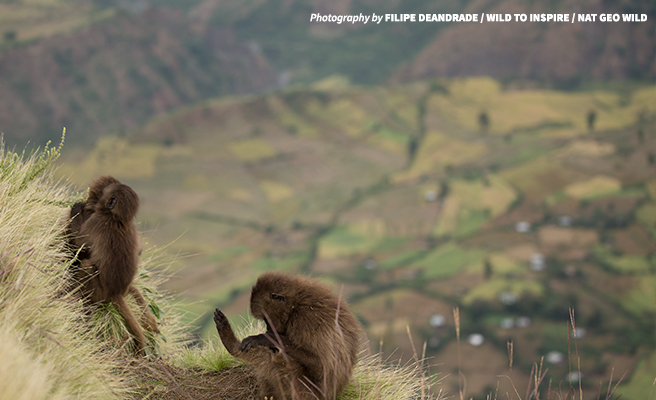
[(76, 209), (147, 318), (131, 322), (78, 231), (75, 220), (228, 337), (276, 343), (269, 339), (267, 345)]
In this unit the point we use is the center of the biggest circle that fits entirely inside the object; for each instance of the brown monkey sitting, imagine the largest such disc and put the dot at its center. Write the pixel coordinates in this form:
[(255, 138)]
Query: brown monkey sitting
[(80, 212), (311, 342), (104, 231)]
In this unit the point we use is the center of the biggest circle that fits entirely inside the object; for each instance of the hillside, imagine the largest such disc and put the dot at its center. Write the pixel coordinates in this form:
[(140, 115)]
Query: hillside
[(404, 197), (105, 67), (564, 55), (117, 73), (561, 54), (45, 350)]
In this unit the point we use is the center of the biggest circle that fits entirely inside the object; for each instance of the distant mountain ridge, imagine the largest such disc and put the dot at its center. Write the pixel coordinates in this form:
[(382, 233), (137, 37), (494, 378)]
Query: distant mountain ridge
[(561, 53), (114, 75), (117, 68)]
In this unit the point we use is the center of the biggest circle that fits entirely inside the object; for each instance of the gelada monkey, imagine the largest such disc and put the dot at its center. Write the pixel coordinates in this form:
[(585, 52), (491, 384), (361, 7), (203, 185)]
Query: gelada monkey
[(80, 212), (103, 230), (311, 343)]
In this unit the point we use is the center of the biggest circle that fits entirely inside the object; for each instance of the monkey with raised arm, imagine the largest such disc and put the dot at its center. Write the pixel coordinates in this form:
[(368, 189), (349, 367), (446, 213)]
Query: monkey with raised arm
[(311, 343), (103, 229)]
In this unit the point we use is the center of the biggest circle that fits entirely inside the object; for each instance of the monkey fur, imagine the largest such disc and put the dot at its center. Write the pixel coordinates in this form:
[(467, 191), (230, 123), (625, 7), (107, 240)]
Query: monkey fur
[(311, 343), (102, 232)]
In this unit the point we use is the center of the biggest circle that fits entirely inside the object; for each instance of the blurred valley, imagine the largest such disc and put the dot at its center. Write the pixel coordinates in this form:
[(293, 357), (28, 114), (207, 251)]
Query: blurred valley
[(505, 169)]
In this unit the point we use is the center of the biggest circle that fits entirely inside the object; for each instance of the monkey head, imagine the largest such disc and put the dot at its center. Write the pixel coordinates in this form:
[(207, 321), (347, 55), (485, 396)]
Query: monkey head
[(118, 201), (278, 296), (269, 297), (97, 187)]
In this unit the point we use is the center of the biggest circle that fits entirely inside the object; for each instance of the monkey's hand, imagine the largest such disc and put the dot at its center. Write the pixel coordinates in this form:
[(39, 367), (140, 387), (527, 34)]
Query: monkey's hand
[(76, 209), (225, 331), (221, 321), (149, 322), (258, 340)]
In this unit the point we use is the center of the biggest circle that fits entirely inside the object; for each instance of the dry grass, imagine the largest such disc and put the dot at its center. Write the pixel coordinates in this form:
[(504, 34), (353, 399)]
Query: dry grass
[(47, 350), (49, 346), (374, 379), (212, 355)]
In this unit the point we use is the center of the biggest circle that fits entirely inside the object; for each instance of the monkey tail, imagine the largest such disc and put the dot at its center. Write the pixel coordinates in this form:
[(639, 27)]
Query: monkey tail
[(132, 324)]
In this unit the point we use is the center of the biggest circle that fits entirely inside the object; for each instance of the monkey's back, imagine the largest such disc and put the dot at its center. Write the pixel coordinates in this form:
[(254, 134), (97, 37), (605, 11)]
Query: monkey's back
[(335, 345), (114, 253)]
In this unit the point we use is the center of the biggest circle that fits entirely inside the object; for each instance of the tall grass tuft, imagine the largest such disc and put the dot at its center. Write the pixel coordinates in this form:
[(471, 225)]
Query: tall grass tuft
[(46, 348), (212, 355), (374, 380), (50, 346)]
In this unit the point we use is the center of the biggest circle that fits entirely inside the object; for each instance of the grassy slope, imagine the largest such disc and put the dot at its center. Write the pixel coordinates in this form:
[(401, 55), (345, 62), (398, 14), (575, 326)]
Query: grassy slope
[(117, 72), (535, 51), (46, 352), (31, 20), (51, 350)]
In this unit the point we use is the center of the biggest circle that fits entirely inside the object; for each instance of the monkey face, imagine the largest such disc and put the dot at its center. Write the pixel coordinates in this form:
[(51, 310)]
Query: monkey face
[(269, 299), (118, 200)]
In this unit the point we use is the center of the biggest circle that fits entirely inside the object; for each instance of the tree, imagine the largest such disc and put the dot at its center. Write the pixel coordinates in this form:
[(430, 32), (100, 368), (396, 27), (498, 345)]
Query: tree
[(592, 116), (487, 269), (483, 121)]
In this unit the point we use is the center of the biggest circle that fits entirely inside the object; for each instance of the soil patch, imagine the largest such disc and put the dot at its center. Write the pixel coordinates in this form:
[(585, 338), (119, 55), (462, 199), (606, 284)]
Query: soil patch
[(158, 381)]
